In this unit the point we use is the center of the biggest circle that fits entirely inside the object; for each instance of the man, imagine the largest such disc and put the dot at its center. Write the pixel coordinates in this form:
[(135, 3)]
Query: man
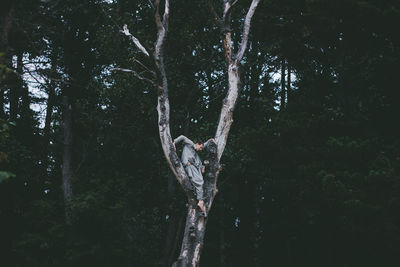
[(193, 165)]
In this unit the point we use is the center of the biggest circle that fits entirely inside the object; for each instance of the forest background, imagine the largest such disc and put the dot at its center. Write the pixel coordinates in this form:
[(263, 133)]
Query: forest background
[(311, 168)]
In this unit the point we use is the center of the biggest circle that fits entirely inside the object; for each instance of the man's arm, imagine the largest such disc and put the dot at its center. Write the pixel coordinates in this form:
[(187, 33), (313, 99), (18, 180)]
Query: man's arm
[(208, 142), (184, 139)]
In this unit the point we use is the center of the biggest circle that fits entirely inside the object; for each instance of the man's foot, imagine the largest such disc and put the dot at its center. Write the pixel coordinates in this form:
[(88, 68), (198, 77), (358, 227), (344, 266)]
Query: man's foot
[(202, 206)]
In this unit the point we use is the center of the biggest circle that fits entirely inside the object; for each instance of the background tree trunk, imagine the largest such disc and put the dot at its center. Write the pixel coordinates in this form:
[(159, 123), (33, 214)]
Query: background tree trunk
[(289, 83), (175, 228), (283, 85), (5, 59), (16, 89), (47, 124), (67, 156), (222, 226)]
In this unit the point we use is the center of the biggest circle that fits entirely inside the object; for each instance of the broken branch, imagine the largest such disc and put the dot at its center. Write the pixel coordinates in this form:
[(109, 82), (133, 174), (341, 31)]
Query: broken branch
[(134, 40)]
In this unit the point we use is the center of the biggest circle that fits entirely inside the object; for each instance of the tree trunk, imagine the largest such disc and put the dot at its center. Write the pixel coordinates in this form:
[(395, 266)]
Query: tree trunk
[(195, 225), (222, 260), (49, 112), (26, 115), (256, 224), (289, 83), (5, 26), (67, 157), (283, 83), (193, 238), (47, 124), (15, 90), (5, 23)]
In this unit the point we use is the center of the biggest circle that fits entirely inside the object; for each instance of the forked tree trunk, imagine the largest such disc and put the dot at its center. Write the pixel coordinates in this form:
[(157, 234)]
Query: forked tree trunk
[(195, 226)]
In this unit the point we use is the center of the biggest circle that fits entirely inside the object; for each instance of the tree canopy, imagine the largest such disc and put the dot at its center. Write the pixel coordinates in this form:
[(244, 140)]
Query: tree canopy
[(311, 169)]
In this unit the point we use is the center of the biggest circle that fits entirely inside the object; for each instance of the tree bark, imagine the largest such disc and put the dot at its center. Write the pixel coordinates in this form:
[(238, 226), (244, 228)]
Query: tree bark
[(47, 124), (5, 26), (195, 225), (5, 23), (16, 89), (289, 83), (2, 114), (26, 116), (283, 83), (67, 156)]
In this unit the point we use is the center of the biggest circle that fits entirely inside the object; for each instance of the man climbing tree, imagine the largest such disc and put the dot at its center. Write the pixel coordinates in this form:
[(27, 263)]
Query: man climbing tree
[(193, 236), (193, 165)]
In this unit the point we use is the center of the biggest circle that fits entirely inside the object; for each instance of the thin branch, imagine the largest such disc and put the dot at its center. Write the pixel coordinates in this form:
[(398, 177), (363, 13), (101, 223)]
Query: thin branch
[(36, 62), (134, 40), (227, 8), (246, 29), (162, 27), (7, 69), (144, 66), (34, 76), (234, 2), (137, 75), (160, 33), (166, 14)]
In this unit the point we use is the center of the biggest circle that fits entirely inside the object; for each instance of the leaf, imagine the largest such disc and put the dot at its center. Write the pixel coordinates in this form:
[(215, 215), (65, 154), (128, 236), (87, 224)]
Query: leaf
[(5, 175)]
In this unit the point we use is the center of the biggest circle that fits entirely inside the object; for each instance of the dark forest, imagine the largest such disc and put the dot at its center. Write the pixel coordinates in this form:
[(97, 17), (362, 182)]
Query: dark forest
[(309, 176)]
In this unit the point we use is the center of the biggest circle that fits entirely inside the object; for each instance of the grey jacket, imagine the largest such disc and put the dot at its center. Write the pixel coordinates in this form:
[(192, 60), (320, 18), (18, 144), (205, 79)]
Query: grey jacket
[(189, 152)]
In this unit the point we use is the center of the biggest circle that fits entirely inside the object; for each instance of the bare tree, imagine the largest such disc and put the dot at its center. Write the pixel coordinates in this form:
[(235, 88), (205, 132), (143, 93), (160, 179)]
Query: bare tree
[(67, 156), (195, 225)]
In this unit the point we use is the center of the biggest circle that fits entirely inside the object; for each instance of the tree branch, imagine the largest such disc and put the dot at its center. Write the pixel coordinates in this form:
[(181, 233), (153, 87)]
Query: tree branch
[(163, 107), (246, 29), (161, 29), (144, 66), (229, 103), (134, 40), (137, 75)]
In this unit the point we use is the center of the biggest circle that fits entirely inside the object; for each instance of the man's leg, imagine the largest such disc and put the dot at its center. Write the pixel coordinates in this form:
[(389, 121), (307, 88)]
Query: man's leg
[(198, 184)]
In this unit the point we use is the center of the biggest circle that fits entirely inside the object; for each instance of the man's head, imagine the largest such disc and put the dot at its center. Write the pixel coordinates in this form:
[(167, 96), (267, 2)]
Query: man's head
[(198, 145)]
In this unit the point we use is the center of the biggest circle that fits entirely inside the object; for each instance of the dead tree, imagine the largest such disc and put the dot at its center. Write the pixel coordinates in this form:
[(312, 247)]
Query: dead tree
[(195, 226)]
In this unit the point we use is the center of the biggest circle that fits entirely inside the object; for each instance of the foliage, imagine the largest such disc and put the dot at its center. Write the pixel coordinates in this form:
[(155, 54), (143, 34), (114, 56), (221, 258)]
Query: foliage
[(316, 183)]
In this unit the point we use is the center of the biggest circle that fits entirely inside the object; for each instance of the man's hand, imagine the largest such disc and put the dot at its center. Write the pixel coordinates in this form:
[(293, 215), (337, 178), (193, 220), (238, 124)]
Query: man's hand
[(212, 139), (203, 169)]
